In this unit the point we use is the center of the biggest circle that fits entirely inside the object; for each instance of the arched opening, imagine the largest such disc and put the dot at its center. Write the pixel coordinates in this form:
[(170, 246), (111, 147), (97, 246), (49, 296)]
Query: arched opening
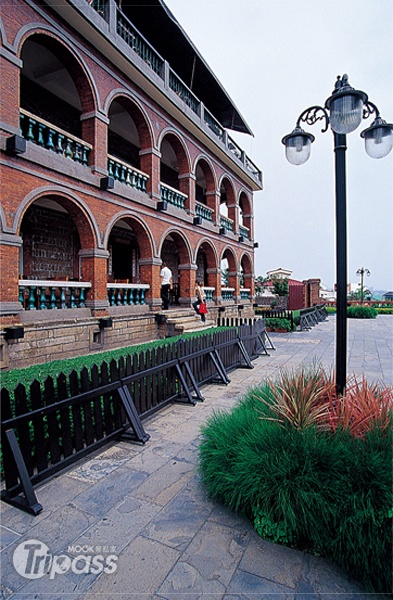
[(206, 262), (227, 205), (228, 275), (123, 136), (54, 231), (54, 93), (245, 216), (205, 197), (173, 165), (175, 254)]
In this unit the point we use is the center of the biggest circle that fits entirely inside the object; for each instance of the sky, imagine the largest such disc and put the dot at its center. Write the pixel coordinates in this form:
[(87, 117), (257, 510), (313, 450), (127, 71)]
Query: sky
[(275, 59)]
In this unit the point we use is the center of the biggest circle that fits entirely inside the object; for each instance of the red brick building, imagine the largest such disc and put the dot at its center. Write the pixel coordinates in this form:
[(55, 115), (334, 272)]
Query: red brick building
[(115, 156)]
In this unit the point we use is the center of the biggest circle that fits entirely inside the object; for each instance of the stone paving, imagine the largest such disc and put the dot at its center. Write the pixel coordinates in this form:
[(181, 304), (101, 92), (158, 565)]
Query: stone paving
[(144, 505)]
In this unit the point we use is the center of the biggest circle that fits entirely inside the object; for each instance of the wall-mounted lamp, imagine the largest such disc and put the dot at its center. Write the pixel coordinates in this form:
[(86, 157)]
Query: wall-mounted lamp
[(241, 238), (163, 206), (105, 323), (107, 183), (256, 245), (222, 231), (160, 319), (14, 333), (221, 309), (197, 221), (16, 144)]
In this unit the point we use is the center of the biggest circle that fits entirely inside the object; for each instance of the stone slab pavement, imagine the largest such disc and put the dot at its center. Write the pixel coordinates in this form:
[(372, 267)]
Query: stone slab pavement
[(143, 504)]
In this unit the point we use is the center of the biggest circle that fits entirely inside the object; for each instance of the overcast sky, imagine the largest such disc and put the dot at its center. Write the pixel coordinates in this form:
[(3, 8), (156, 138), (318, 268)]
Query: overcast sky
[(275, 59)]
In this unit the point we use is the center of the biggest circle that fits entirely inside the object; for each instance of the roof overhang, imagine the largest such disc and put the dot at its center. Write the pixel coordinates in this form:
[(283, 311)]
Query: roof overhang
[(167, 36)]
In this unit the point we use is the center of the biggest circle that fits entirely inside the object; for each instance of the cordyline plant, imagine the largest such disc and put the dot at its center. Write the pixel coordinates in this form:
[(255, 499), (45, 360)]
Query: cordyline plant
[(307, 398)]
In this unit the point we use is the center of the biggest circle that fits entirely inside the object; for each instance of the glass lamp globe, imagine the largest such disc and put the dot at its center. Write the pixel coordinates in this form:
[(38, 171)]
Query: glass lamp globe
[(378, 138), (298, 146), (345, 106)]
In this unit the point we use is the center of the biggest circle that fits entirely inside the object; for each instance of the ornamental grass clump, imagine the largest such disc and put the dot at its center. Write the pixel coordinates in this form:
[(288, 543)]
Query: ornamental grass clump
[(308, 470)]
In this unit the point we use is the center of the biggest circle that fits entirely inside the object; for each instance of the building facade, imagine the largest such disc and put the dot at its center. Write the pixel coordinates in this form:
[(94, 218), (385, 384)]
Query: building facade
[(115, 156)]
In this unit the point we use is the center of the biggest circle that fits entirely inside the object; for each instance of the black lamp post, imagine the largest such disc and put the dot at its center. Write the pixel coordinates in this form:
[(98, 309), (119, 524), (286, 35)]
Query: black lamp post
[(343, 111), (362, 272)]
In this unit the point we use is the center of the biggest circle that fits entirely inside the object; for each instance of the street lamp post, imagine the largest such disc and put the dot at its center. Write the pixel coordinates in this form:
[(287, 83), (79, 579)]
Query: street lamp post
[(362, 272), (343, 112)]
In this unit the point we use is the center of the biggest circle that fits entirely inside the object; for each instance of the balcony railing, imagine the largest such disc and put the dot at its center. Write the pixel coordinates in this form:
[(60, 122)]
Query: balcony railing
[(244, 231), (183, 92), (227, 294), (226, 223), (36, 294), (209, 293), (42, 133), (173, 196), (126, 174), (213, 125), (126, 294), (201, 210), (137, 42), (244, 293)]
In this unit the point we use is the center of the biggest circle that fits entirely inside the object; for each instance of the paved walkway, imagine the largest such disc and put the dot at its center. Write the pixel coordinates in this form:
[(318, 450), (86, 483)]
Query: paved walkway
[(144, 505)]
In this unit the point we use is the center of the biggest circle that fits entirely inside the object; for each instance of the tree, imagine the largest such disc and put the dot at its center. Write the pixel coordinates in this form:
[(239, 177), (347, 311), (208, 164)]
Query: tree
[(281, 287)]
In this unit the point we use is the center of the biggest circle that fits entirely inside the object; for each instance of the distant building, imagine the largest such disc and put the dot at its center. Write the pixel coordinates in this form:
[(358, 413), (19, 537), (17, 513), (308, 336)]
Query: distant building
[(387, 296)]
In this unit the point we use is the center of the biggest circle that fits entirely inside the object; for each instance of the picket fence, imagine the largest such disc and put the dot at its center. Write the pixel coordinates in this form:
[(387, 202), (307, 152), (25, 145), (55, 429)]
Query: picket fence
[(49, 425)]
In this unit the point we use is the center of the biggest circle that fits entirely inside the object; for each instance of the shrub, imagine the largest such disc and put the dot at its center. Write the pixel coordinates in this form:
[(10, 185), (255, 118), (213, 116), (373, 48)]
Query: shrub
[(326, 490), (361, 312), (278, 323), (384, 310)]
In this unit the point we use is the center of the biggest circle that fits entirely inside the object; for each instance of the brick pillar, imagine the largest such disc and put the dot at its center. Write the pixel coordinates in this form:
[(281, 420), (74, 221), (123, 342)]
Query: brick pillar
[(149, 270), (94, 268), (9, 267), (10, 67), (314, 285), (95, 132), (234, 282), (187, 274), (150, 164), (214, 280), (213, 202), (187, 186), (249, 283), (233, 213)]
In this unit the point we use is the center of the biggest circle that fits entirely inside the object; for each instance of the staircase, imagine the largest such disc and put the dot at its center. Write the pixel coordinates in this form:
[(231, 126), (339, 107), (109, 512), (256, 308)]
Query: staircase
[(185, 320)]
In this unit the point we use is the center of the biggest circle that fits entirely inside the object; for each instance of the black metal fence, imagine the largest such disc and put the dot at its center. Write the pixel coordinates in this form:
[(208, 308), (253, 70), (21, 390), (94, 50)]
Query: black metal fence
[(311, 316), (48, 426)]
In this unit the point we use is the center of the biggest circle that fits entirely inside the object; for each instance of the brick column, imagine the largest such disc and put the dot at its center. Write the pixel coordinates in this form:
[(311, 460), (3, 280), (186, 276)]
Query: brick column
[(94, 268), (95, 132), (214, 280), (150, 164), (187, 186), (9, 267), (249, 283), (187, 274), (150, 269), (10, 67), (234, 282), (213, 202)]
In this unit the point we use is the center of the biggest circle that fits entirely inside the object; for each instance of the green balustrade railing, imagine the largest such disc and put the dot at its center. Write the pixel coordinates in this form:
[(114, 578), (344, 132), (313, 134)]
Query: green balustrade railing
[(100, 6), (137, 42), (234, 147), (126, 294), (126, 174), (52, 138), (209, 293), (44, 294), (183, 91), (244, 293), (244, 231), (227, 294), (226, 223), (201, 210), (169, 194)]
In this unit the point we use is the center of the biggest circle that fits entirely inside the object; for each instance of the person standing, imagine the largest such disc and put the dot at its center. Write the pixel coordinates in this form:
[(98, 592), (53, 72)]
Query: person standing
[(200, 299), (166, 284)]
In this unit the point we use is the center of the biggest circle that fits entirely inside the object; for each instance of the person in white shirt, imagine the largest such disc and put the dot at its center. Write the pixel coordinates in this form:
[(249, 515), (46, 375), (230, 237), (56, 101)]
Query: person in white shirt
[(166, 285)]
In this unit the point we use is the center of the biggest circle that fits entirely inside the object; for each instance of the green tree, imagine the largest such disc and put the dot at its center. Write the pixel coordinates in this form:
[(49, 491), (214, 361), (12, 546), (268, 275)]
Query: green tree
[(281, 287)]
